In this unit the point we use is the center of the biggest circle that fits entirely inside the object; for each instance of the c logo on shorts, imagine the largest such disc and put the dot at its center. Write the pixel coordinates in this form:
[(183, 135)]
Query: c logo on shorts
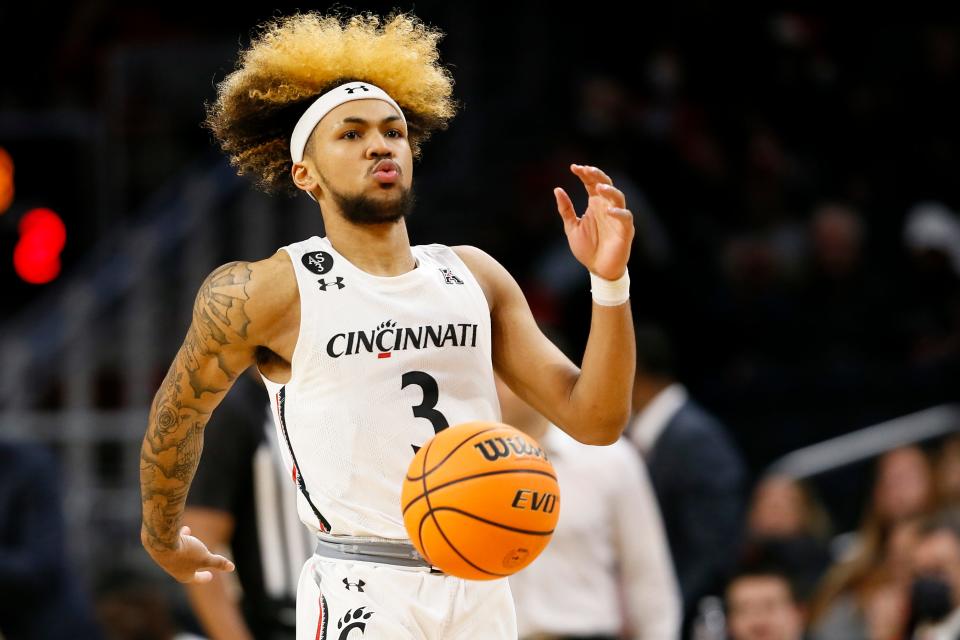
[(353, 620)]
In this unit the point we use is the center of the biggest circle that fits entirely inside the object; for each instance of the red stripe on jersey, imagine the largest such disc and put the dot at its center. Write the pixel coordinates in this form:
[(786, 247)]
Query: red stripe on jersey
[(320, 620), (385, 354)]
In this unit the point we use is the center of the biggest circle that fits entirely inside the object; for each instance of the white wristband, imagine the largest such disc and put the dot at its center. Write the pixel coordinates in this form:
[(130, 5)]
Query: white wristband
[(610, 293)]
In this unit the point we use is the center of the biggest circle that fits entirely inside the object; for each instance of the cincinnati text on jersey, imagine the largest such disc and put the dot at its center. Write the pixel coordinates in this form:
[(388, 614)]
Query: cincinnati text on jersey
[(388, 337)]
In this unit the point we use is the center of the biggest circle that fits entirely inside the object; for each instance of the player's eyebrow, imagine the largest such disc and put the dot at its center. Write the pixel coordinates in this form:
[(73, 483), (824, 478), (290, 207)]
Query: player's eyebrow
[(356, 120)]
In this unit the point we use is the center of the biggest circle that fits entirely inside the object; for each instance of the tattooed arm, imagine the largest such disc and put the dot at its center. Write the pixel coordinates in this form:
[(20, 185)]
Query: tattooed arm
[(238, 309)]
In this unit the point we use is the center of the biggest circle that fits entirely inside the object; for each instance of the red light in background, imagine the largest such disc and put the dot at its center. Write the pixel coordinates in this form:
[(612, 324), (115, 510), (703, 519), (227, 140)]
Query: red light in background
[(6, 180), (34, 263), (46, 225), (36, 257)]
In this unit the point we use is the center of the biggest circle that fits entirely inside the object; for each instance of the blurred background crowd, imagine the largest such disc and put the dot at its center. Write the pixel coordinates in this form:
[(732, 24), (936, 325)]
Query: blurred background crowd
[(797, 268)]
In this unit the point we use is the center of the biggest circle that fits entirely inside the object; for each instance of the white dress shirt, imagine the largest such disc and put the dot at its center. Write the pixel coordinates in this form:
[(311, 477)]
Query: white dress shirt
[(609, 535), (647, 425)]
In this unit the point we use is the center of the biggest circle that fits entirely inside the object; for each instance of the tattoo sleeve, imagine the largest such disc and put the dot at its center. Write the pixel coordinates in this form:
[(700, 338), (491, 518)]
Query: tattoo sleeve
[(204, 368)]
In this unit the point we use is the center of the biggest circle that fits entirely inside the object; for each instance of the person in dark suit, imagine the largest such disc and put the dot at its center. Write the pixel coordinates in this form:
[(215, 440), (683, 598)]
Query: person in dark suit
[(697, 472)]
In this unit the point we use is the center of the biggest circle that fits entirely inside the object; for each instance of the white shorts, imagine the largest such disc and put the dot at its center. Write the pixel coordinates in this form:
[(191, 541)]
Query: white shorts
[(350, 600)]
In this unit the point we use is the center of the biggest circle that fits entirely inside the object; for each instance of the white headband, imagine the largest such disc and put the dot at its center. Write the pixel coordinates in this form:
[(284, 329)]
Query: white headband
[(329, 101)]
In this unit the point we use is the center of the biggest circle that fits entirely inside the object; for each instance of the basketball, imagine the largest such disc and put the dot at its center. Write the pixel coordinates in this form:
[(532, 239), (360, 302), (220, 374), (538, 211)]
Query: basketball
[(480, 500)]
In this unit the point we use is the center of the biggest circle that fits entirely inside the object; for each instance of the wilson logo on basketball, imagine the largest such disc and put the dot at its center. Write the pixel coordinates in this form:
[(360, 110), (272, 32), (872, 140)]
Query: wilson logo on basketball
[(457, 494), (495, 448), (534, 501)]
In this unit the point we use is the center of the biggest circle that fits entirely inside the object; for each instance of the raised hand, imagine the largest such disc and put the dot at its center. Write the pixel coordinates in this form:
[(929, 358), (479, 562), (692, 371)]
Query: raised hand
[(601, 238)]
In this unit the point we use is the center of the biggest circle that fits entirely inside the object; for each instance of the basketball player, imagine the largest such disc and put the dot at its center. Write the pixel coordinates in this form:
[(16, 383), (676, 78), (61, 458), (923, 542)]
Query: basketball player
[(369, 346)]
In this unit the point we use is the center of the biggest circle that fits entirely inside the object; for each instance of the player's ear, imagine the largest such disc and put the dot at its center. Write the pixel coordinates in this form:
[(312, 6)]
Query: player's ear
[(304, 176)]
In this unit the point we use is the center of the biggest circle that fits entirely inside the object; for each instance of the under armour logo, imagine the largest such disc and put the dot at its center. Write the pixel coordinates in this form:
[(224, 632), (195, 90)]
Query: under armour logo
[(449, 277), (350, 90), (324, 284), (358, 584)]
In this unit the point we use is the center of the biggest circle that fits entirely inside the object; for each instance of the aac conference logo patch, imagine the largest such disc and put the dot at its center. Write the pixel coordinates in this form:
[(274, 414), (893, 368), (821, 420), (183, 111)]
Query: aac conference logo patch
[(318, 262)]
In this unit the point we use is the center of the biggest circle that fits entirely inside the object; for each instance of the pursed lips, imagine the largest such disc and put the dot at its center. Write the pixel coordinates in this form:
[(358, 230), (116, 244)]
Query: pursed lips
[(386, 165), (386, 172)]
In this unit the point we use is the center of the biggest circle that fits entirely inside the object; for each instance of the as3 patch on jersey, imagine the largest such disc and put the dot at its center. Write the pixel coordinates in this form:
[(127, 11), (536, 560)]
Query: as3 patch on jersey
[(318, 262)]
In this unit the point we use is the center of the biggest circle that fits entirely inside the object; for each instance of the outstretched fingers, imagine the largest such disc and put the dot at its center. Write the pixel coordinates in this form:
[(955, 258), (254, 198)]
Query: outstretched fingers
[(565, 207), (205, 571), (203, 561), (590, 177), (614, 195), (219, 562)]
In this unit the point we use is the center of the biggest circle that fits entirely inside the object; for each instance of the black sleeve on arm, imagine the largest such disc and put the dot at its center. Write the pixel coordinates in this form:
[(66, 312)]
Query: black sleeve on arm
[(229, 441)]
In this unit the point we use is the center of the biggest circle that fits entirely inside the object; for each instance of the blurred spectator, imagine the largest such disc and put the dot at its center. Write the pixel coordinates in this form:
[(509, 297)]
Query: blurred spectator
[(864, 596), (931, 228), (695, 469), (904, 485), (932, 305), (841, 294), (935, 591), (42, 598), (787, 525), (753, 307), (840, 340), (947, 471), (783, 507), (836, 241), (242, 499), (609, 545), (888, 603), (761, 605)]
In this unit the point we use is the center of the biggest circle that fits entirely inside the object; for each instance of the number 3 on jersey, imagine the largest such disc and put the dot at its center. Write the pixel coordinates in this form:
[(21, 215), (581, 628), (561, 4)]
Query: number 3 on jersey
[(431, 393)]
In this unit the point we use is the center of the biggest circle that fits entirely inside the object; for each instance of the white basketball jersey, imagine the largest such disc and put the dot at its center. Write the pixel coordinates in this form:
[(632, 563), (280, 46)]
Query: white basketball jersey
[(381, 364)]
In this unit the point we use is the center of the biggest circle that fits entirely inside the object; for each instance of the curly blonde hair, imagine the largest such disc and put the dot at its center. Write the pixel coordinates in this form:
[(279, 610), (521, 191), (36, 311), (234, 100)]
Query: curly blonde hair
[(295, 58)]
